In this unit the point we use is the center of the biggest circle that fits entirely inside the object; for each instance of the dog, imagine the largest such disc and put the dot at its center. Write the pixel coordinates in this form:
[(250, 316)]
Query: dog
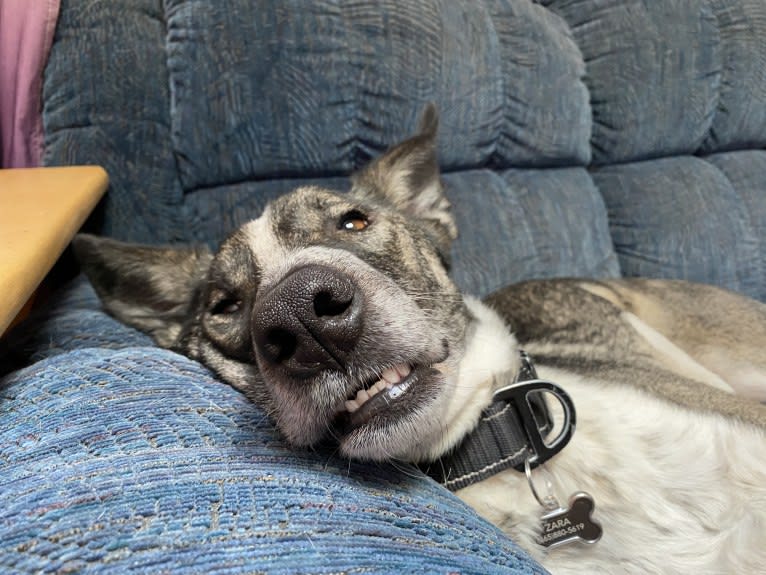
[(335, 313)]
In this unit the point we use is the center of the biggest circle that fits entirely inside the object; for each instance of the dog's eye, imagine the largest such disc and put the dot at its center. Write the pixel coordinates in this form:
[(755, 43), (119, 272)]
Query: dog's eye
[(353, 221), (226, 306)]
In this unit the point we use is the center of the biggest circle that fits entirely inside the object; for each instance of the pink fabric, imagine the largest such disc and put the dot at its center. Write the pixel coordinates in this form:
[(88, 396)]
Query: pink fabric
[(26, 35)]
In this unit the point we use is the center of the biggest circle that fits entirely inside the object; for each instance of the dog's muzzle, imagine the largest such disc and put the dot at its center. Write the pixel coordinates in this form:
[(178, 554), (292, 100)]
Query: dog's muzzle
[(309, 321)]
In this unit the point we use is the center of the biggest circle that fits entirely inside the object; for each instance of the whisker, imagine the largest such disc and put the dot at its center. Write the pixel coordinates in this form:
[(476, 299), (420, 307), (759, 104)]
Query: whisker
[(406, 468)]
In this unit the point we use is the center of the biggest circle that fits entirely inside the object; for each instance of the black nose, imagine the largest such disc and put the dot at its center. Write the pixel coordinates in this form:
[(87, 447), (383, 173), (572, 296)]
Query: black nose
[(309, 321)]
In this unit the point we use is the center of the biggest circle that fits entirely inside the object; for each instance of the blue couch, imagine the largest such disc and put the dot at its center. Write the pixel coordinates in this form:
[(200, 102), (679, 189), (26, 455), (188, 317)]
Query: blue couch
[(578, 137)]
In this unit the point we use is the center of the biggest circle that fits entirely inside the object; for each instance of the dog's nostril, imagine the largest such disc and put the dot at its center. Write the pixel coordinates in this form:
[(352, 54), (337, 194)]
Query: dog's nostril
[(280, 344), (328, 304)]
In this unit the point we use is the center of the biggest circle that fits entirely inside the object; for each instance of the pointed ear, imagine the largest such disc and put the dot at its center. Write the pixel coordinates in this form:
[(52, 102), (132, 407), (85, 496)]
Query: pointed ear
[(149, 288), (407, 177)]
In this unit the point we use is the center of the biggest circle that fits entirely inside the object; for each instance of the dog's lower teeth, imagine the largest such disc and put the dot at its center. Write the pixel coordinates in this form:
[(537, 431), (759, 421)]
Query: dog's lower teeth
[(351, 406), (363, 395)]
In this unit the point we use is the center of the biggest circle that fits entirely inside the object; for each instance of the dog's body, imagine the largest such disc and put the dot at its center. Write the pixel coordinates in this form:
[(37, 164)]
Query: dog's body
[(335, 313), (676, 472)]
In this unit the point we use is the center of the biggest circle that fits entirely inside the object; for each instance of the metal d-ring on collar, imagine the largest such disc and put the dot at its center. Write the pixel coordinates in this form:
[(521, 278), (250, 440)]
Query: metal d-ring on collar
[(511, 433)]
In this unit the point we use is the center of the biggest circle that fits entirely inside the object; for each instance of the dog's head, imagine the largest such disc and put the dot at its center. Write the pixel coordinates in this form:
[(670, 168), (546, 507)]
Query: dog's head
[(333, 311)]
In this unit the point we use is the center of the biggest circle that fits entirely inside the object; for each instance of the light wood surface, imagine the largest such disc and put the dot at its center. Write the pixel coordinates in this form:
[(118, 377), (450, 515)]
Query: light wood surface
[(41, 209)]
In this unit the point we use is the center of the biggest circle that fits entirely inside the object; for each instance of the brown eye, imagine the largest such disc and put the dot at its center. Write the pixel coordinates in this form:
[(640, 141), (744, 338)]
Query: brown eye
[(353, 221)]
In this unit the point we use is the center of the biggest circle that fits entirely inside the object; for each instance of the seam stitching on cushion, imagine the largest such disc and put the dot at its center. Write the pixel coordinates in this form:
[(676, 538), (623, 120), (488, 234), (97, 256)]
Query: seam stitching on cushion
[(492, 157), (187, 228), (761, 272), (708, 136)]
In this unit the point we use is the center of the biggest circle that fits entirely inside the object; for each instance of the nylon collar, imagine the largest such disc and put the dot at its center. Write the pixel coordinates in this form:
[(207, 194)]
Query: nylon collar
[(514, 428)]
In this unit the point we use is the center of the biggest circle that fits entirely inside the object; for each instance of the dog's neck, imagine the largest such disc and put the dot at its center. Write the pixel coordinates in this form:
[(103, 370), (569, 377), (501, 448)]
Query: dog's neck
[(505, 421), (490, 360)]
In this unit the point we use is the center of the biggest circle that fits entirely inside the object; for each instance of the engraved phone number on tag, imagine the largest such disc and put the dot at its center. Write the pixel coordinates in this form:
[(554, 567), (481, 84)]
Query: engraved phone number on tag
[(554, 530)]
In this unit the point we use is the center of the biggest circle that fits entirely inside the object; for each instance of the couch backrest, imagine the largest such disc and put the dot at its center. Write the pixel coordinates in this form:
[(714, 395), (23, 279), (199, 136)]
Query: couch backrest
[(568, 128)]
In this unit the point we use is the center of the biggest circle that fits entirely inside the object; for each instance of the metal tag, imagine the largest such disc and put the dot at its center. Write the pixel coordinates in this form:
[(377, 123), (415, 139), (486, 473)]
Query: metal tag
[(568, 524)]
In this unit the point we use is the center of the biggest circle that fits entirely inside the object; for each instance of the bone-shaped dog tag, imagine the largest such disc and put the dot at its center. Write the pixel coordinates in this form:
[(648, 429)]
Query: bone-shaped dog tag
[(568, 524)]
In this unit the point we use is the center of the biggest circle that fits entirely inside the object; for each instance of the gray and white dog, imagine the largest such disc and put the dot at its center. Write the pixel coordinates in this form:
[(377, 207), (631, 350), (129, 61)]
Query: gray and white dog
[(336, 314)]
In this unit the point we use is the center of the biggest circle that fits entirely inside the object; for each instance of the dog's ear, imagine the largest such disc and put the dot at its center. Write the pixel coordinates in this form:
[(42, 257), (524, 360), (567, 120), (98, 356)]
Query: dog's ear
[(407, 177), (150, 288)]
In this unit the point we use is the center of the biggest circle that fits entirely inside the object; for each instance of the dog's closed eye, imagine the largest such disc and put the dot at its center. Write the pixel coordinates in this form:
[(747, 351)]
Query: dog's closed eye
[(224, 304), (353, 221)]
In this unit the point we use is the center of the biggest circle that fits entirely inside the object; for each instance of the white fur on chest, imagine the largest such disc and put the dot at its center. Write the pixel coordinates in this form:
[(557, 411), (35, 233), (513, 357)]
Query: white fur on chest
[(675, 491)]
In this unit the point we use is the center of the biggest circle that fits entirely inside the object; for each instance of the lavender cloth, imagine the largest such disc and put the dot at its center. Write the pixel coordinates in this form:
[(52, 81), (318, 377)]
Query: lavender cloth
[(26, 35)]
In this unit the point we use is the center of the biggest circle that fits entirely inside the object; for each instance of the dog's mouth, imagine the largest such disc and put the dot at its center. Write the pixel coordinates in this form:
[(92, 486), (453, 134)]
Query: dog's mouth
[(376, 397), (383, 402)]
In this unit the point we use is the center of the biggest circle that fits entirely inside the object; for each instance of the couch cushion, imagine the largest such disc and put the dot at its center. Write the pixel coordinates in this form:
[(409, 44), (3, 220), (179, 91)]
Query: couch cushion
[(671, 77), (740, 116), (201, 112), (523, 224), (321, 87), (72, 319), (191, 95), (106, 467), (691, 218), (106, 101), (653, 72)]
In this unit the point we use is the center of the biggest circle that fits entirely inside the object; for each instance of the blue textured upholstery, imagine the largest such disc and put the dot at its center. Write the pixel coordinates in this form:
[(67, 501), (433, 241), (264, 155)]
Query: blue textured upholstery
[(119, 457), (578, 137), (245, 100), (724, 191), (236, 102), (105, 466)]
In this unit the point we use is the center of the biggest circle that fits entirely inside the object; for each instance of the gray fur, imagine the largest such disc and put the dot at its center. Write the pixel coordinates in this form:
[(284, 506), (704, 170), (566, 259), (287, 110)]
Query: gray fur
[(595, 341)]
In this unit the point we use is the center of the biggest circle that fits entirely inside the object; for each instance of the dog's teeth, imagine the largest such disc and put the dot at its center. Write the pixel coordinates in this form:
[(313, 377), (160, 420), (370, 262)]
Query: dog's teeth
[(351, 406), (377, 388), (391, 375), (403, 370), (390, 379)]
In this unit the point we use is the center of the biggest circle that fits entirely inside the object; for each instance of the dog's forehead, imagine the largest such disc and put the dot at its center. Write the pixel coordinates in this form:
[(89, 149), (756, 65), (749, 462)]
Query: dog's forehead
[(285, 224), (233, 264), (302, 209), (307, 198)]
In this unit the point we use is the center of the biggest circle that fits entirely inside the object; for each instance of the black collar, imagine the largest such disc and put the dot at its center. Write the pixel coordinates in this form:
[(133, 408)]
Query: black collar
[(512, 429)]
